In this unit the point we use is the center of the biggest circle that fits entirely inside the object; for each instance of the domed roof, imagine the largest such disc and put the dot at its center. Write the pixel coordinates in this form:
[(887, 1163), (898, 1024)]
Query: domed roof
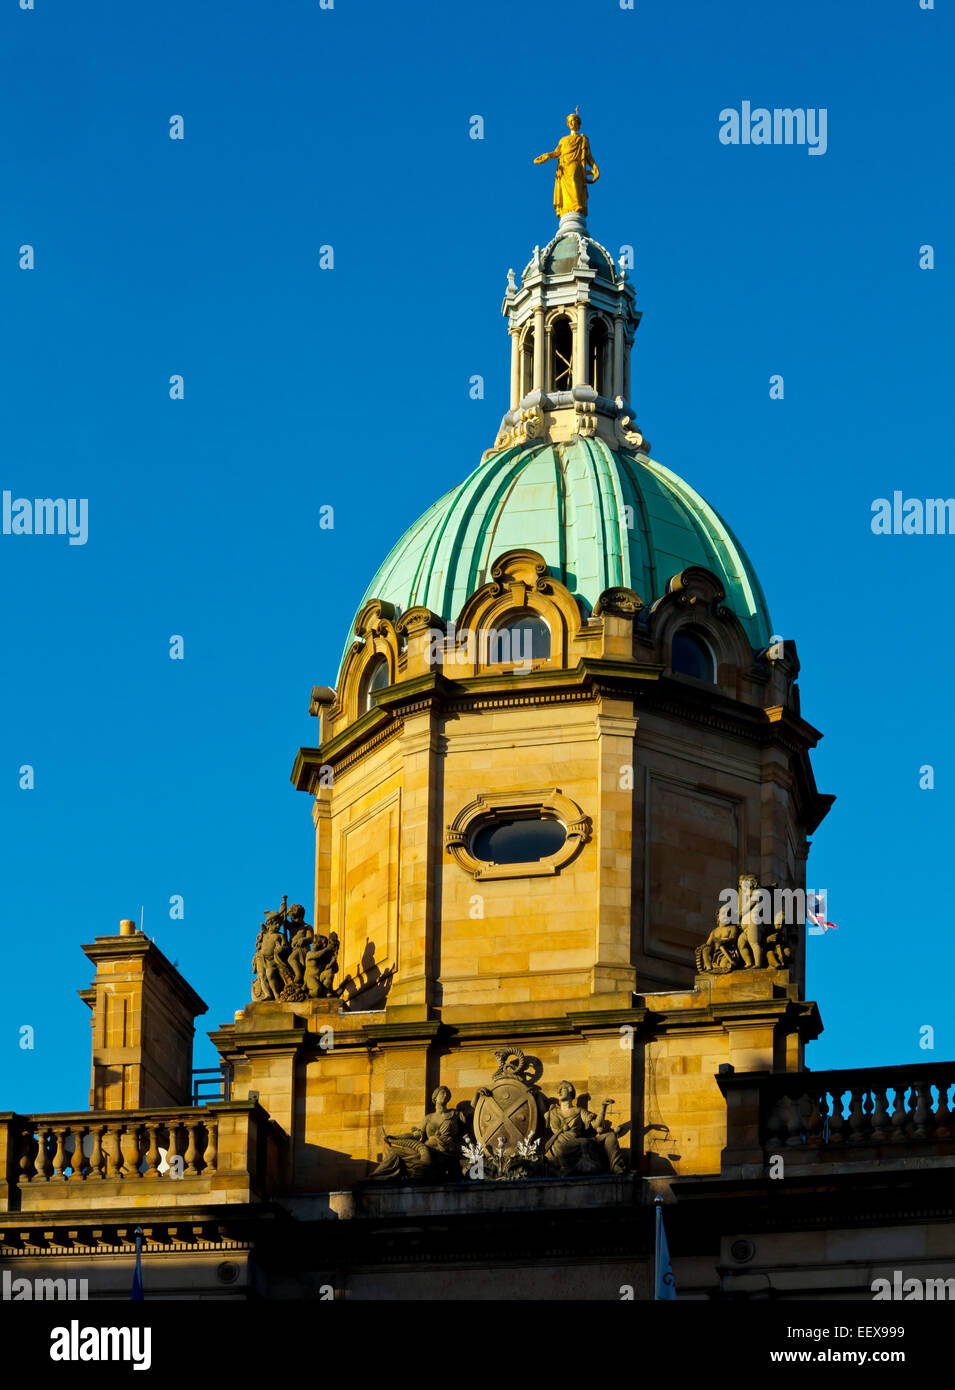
[(571, 502), (562, 256)]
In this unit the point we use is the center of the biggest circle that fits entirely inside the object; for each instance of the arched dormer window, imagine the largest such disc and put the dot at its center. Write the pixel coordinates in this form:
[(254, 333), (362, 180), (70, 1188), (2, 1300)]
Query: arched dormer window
[(518, 640), (376, 677), (692, 655), (599, 357), (561, 354)]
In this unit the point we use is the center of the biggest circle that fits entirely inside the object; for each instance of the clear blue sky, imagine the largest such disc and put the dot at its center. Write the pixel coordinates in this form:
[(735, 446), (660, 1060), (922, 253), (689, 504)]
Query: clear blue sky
[(349, 387)]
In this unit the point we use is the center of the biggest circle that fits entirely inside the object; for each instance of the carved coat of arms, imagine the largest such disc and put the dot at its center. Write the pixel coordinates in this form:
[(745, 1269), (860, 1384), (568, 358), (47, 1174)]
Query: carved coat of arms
[(510, 1108)]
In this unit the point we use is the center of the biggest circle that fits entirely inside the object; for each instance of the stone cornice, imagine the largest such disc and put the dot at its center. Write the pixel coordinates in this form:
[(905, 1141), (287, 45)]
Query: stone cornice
[(719, 1012), (590, 679), (194, 1227), (821, 1200), (424, 1031), (566, 1025), (403, 1031), (369, 746), (230, 1042), (497, 691)]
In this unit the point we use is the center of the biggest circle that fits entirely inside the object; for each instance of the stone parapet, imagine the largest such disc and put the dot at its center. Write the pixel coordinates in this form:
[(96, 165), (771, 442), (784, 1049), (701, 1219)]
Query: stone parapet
[(222, 1152), (852, 1118)]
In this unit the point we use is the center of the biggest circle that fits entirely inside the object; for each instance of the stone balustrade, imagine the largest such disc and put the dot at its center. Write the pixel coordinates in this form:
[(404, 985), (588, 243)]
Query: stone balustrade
[(53, 1146), (838, 1116), (218, 1149)]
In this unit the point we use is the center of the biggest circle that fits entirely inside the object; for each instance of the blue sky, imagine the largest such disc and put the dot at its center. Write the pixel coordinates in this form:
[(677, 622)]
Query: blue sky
[(306, 127)]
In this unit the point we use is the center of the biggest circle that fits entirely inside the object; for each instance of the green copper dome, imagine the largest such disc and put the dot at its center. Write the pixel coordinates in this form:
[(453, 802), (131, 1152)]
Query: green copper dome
[(572, 503)]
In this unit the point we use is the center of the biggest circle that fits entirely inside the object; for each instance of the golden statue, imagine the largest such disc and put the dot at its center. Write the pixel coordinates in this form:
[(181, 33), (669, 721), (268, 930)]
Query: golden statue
[(574, 160)]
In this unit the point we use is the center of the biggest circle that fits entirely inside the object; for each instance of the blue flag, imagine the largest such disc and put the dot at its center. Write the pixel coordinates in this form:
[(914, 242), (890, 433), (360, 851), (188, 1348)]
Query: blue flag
[(663, 1270), (137, 1290)]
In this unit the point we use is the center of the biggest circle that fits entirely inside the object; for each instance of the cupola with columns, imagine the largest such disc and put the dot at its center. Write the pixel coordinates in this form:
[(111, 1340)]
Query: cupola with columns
[(571, 321)]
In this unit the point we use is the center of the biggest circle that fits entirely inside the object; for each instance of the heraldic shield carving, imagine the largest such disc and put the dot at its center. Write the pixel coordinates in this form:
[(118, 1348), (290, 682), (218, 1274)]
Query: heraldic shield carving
[(510, 1109)]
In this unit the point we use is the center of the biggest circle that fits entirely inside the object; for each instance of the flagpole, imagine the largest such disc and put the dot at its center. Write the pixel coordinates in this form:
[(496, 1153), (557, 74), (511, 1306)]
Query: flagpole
[(658, 1205), (137, 1289)]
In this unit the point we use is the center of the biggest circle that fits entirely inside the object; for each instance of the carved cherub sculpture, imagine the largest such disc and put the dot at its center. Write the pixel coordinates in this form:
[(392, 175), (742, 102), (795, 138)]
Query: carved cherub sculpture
[(321, 966), (271, 971), (719, 952), (750, 944), (741, 938), (302, 935), (779, 945)]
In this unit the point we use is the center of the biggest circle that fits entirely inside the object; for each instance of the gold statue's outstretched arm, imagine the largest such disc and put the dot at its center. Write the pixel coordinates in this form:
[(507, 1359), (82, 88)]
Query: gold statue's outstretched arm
[(543, 158)]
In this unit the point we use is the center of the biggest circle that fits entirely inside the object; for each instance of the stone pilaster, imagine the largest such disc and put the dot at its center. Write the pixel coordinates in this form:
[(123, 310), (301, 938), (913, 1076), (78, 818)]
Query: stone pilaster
[(421, 849)]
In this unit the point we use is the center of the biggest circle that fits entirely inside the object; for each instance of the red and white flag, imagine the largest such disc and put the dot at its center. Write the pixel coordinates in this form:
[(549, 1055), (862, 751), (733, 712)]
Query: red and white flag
[(816, 915)]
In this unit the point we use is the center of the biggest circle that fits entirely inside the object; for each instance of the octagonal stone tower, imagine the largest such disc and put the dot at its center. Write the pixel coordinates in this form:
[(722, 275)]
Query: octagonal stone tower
[(562, 728)]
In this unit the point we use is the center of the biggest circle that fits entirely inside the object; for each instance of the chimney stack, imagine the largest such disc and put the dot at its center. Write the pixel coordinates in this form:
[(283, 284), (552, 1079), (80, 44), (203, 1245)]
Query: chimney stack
[(143, 1024)]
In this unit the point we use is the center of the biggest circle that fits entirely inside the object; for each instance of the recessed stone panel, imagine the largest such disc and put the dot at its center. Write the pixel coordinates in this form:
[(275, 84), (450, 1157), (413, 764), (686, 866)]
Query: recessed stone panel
[(367, 917), (693, 839)]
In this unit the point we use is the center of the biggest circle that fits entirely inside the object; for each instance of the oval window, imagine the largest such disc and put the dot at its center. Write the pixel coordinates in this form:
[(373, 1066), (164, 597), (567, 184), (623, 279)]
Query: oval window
[(518, 839)]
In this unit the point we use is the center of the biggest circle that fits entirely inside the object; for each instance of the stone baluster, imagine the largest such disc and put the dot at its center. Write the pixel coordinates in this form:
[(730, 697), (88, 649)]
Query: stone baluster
[(28, 1152), (192, 1150), (211, 1153), (44, 1165), (153, 1159), (78, 1157), (130, 1149), (96, 1156), (945, 1115), (814, 1120), (880, 1117), (899, 1116), (857, 1115), (837, 1124), (921, 1114), (60, 1160), (115, 1149), (173, 1160)]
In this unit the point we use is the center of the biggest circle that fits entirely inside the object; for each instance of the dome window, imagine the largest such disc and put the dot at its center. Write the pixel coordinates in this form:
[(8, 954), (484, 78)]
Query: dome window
[(527, 363), (600, 357), (691, 655), (518, 839), (561, 355), (523, 637), (376, 677)]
